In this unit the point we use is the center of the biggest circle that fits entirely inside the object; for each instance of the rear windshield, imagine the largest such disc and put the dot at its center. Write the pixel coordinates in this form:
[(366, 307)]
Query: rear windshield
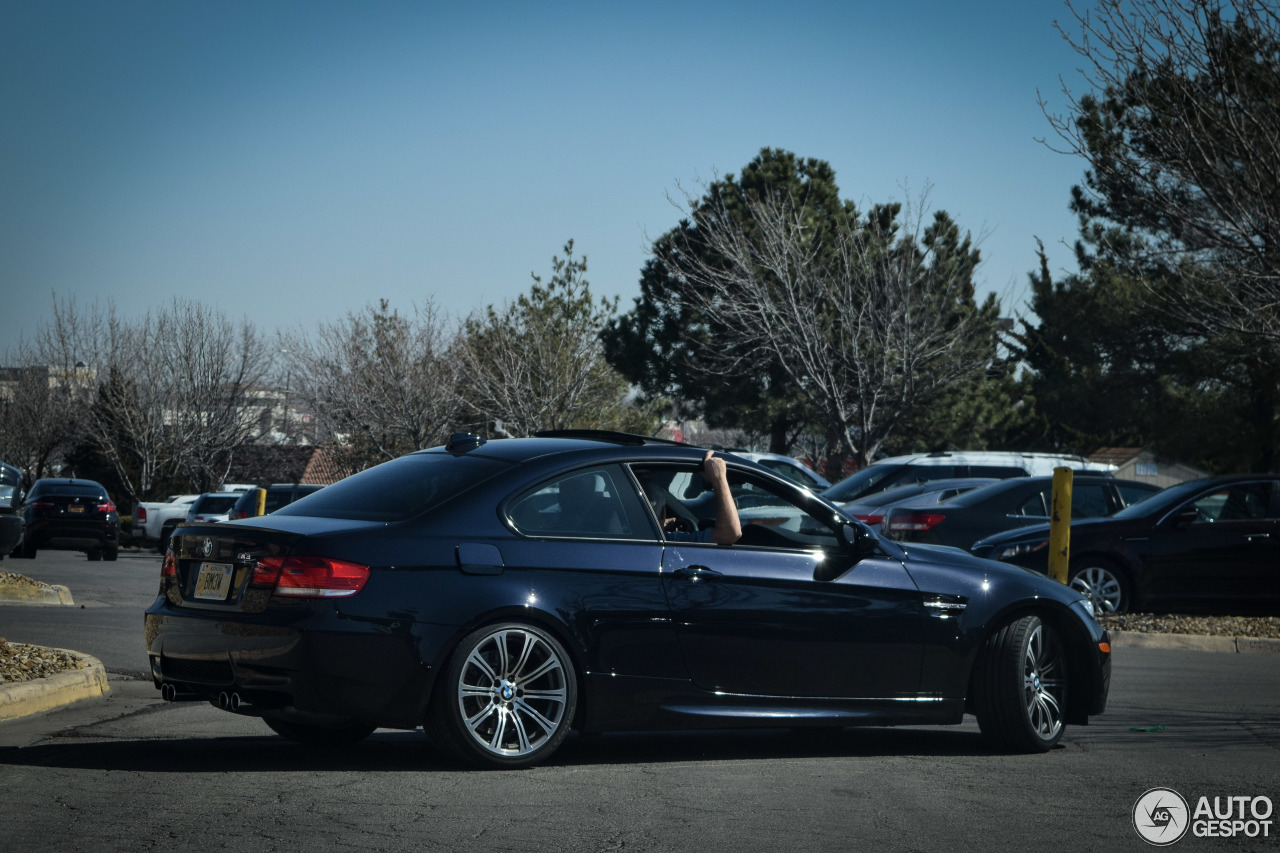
[(873, 478), (65, 490), (398, 490), (216, 503)]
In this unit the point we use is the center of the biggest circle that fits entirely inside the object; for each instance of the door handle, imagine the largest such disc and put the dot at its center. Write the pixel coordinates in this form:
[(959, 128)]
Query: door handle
[(695, 573), (1256, 537)]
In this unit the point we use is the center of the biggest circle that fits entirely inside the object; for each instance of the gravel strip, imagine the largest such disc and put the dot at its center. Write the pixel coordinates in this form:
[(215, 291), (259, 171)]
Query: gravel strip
[(23, 662)]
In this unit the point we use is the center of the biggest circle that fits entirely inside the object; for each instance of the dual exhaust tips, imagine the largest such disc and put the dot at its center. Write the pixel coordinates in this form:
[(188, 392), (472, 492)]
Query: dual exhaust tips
[(226, 701)]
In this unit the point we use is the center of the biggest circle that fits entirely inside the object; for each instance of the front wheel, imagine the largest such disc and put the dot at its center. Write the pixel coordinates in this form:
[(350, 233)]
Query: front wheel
[(505, 699), (310, 734), (1020, 687), (1103, 584)]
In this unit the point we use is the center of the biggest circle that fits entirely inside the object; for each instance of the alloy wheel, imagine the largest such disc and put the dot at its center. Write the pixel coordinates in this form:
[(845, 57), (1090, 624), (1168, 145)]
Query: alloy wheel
[(512, 692)]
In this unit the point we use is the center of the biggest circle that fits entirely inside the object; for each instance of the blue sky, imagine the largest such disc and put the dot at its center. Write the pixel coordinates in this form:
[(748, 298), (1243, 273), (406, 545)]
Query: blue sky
[(293, 161)]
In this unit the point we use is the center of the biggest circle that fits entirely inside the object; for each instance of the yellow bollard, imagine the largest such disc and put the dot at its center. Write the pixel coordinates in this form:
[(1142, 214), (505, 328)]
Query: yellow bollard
[(1060, 525), (262, 501)]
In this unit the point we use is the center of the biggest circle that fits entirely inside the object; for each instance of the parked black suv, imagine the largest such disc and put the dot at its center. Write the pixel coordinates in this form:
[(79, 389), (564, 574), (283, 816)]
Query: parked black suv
[(251, 503), (10, 502), (70, 515)]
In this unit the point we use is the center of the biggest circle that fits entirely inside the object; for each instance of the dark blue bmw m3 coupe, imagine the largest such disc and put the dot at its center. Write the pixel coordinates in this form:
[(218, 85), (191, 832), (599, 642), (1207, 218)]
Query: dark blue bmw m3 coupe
[(502, 593)]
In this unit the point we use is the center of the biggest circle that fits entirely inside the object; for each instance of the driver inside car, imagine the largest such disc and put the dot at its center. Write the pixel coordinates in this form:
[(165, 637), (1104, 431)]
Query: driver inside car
[(679, 525)]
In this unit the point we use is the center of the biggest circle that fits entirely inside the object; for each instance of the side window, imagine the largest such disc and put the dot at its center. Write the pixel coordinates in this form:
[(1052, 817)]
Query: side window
[(1089, 502), (1000, 472), (925, 473), (1037, 506), (595, 503), (1240, 502), (772, 520)]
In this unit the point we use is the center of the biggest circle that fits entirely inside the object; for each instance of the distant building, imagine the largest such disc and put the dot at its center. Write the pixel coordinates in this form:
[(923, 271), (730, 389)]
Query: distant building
[(1138, 463)]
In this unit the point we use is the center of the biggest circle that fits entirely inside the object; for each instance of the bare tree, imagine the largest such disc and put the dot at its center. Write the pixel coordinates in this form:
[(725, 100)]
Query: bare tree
[(217, 370), (538, 362), (384, 383), (44, 410), (1180, 125), (867, 321)]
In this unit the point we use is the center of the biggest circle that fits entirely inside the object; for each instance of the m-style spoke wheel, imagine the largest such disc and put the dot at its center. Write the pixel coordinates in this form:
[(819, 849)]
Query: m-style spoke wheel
[(506, 697), (1020, 687)]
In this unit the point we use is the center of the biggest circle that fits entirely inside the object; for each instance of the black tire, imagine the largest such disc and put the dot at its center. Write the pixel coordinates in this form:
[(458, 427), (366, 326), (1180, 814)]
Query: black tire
[(314, 734), (25, 552), (94, 554), (166, 533), (1020, 687), (1103, 583), (110, 554), (505, 699)]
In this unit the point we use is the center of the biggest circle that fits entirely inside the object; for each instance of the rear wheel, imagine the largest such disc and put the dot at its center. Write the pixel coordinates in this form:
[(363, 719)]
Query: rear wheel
[(313, 734), (505, 699), (1103, 584), (94, 554), (110, 554), (25, 551), (165, 534), (1020, 687)]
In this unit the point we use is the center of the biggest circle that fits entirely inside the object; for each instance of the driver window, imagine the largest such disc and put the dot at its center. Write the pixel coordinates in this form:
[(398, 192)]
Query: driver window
[(772, 520), (1240, 502)]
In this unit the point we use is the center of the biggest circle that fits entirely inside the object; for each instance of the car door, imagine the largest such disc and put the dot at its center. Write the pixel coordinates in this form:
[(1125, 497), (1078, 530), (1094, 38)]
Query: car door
[(787, 611), (1221, 546)]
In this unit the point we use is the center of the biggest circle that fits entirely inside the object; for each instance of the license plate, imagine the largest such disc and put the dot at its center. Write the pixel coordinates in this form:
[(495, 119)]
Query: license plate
[(75, 508), (214, 581)]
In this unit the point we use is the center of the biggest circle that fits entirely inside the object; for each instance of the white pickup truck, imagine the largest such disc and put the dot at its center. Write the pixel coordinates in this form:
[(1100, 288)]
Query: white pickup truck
[(154, 522)]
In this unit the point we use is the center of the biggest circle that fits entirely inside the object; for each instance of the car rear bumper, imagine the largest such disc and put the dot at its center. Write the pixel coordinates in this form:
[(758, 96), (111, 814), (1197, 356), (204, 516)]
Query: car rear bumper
[(308, 661), (71, 535)]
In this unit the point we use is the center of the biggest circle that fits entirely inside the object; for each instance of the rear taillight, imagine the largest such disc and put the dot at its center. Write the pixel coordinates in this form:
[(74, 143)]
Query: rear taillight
[(43, 504), (913, 521), (140, 516), (109, 506), (310, 577), (869, 519), (169, 568), (239, 513)]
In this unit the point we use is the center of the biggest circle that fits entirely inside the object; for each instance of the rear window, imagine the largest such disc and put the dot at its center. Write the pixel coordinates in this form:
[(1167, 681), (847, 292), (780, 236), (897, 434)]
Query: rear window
[(873, 478), (66, 490), (398, 490), (215, 503)]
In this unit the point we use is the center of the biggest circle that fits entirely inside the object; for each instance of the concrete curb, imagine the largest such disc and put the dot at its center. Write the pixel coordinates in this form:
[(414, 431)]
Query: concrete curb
[(35, 594), (1195, 643), (24, 698)]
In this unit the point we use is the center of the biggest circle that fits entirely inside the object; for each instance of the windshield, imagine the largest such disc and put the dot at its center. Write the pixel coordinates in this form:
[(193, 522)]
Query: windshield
[(873, 478), (399, 489)]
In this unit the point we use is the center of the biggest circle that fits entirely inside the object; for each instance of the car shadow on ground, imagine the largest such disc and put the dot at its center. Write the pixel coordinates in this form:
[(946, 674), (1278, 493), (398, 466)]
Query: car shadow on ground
[(388, 750)]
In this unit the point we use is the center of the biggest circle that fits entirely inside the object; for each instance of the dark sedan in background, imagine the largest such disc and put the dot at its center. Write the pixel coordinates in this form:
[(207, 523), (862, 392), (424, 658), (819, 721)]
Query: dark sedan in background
[(11, 522), (68, 514), (872, 509), (1209, 544), (500, 593), (964, 519)]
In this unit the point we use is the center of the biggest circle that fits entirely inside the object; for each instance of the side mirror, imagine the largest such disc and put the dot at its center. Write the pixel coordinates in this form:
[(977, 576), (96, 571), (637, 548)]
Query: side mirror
[(1185, 516)]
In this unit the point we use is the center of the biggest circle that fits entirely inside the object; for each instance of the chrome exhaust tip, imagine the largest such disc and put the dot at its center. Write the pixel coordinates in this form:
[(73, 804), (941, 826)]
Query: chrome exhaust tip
[(224, 701), (168, 692)]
